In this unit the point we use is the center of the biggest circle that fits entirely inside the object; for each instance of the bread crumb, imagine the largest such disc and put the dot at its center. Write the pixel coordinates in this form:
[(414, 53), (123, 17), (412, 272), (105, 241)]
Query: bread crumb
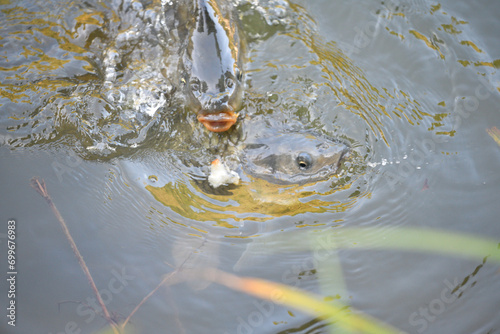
[(221, 175)]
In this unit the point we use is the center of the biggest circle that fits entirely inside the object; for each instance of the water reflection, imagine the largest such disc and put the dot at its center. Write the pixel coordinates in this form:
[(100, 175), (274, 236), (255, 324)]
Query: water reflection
[(58, 67), (100, 80), (349, 85), (257, 201)]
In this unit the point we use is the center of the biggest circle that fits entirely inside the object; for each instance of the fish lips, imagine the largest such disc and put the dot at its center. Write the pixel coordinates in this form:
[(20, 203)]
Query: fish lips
[(218, 121)]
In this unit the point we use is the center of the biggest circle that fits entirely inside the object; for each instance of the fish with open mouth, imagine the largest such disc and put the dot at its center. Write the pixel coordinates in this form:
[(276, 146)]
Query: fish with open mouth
[(211, 63)]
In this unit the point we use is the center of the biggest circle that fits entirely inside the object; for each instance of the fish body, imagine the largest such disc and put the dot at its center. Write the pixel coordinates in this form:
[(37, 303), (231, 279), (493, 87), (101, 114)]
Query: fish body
[(211, 63)]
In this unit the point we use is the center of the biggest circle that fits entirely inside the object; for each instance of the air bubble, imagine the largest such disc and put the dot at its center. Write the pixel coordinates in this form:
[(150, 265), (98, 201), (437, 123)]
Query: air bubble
[(273, 98)]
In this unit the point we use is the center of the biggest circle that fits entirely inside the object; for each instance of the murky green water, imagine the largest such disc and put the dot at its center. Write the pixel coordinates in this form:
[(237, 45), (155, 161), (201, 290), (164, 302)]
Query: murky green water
[(89, 103)]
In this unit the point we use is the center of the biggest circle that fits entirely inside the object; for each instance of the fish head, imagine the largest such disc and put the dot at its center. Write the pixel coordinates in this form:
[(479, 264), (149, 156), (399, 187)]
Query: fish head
[(294, 158), (216, 101), (213, 67)]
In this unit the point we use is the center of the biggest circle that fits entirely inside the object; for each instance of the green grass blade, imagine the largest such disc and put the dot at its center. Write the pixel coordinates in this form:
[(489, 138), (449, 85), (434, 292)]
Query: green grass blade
[(281, 294), (412, 239)]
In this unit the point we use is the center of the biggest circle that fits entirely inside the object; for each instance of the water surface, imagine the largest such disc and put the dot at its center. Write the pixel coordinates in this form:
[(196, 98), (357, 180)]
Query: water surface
[(89, 103)]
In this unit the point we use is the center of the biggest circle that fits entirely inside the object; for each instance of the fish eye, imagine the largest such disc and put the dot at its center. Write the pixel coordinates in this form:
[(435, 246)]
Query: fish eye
[(229, 83), (239, 75), (195, 84), (304, 161)]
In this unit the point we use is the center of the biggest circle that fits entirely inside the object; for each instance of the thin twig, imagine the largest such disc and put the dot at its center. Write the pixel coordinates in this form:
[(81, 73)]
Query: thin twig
[(163, 281), (147, 297), (39, 186)]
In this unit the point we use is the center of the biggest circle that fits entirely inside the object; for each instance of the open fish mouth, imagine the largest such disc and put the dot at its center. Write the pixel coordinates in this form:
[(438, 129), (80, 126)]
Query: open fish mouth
[(218, 122)]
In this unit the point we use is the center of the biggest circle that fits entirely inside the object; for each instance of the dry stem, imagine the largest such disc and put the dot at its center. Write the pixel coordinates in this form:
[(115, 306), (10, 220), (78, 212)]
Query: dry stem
[(39, 186)]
